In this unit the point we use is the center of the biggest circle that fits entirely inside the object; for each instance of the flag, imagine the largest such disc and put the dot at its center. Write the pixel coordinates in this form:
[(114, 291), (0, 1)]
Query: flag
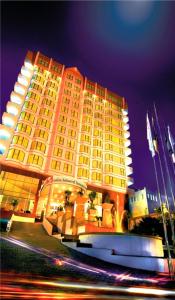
[(170, 144), (149, 137), (155, 137)]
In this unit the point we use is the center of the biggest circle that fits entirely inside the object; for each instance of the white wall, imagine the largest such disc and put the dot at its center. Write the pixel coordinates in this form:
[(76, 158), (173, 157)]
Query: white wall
[(125, 244)]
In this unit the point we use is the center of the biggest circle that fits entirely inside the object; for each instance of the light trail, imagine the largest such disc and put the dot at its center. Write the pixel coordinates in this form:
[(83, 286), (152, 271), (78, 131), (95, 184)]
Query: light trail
[(60, 260)]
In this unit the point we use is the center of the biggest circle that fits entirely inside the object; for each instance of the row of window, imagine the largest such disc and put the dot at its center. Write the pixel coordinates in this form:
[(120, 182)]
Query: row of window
[(46, 112), (19, 155), (48, 102), (63, 119), (60, 141), (114, 169), (31, 106), (71, 77), (33, 95)]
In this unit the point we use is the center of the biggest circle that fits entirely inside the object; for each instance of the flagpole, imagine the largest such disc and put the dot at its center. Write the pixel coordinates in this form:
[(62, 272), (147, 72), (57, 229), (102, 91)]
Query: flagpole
[(163, 179), (169, 259), (153, 153)]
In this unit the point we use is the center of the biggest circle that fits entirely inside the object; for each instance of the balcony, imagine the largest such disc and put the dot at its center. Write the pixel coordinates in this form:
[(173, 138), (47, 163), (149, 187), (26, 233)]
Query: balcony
[(125, 119), (127, 151), (15, 98), (126, 134), (9, 120), (23, 80), (130, 181), (127, 143), (126, 127), (128, 161), (129, 170), (124, 112), (26, 72), (12, 108), (28, 64), (19, 89)]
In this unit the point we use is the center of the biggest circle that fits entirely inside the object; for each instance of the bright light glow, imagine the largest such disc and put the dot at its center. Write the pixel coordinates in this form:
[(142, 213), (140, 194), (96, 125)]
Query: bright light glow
[(130, 181), (126, 127), (2, 149), (22, 80), (12, 110), (28, 64), (8, 121), (19, 89), (26, 72), (125, 112), (128, 161), (134, 12), (15, 98), (127, 143), (129, 171), (4, 134), (125, 119), (126, 134), (127, 151)]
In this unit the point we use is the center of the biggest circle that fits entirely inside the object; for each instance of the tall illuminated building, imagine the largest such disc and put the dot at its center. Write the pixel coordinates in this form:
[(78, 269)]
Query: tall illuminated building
[(58, 122)]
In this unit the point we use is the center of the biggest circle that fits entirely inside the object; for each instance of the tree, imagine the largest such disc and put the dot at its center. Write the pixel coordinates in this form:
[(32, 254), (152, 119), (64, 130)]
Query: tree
[(67, 198), (14, 203), (148, 226), (92, 197)]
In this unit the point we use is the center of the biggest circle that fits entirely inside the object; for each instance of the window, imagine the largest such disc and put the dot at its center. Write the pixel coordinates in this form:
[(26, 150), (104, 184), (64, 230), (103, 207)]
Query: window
[(87, 102), (87, 110), (72, 133), (59, 140), (69, 76), (69, 155), (78, 81), (73, 123), (48, 102), (67, 168), (66, 100), (97, 153), (45, 112), (16, 154), (97, 132), (43, 62), (71, 143), (86, 128), (98, 115), (31, 106), (85, 138), (115, 181), (67, 92), (96, 164), (97, 143), (82, 172), (64, 109), (84, 148), (58, 152), (21, 127), (55, 164), (76, 105), (63, 119), (74, 114), (38, 146), (84, 160), (20, 140), (36, 87), (43, 122), (68, 84), (33, 95), (96, 176), (35, 160), (27, 116), (90, 85), (98, 124), (61, 129), (41, 134)]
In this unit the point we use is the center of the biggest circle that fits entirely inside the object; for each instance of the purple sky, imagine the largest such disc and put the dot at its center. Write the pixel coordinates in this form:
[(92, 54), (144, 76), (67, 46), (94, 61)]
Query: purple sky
[(128, 47)]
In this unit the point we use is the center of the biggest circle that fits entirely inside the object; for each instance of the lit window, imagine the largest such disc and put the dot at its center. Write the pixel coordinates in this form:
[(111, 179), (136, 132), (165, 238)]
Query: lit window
[(58, 151), (59, 140), (69, 155), (35, 160), (55, 164), (38, 146), (67, 168), (20, 140), (16, 154)]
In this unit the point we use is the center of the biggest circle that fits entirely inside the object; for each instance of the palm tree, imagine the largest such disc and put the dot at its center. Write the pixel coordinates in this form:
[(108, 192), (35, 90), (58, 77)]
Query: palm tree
[(92, 197), (67, 198), (14, 203)]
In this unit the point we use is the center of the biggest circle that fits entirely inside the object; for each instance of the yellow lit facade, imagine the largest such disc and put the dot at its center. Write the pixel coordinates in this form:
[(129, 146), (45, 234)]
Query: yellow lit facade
[(58, 122)]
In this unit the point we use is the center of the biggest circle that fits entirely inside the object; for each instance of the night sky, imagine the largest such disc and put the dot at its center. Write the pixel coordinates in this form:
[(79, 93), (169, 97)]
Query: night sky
[(128, 47)]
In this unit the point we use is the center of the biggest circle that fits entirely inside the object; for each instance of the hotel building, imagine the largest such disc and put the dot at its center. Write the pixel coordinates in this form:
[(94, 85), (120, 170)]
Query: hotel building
[(60, 124)]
